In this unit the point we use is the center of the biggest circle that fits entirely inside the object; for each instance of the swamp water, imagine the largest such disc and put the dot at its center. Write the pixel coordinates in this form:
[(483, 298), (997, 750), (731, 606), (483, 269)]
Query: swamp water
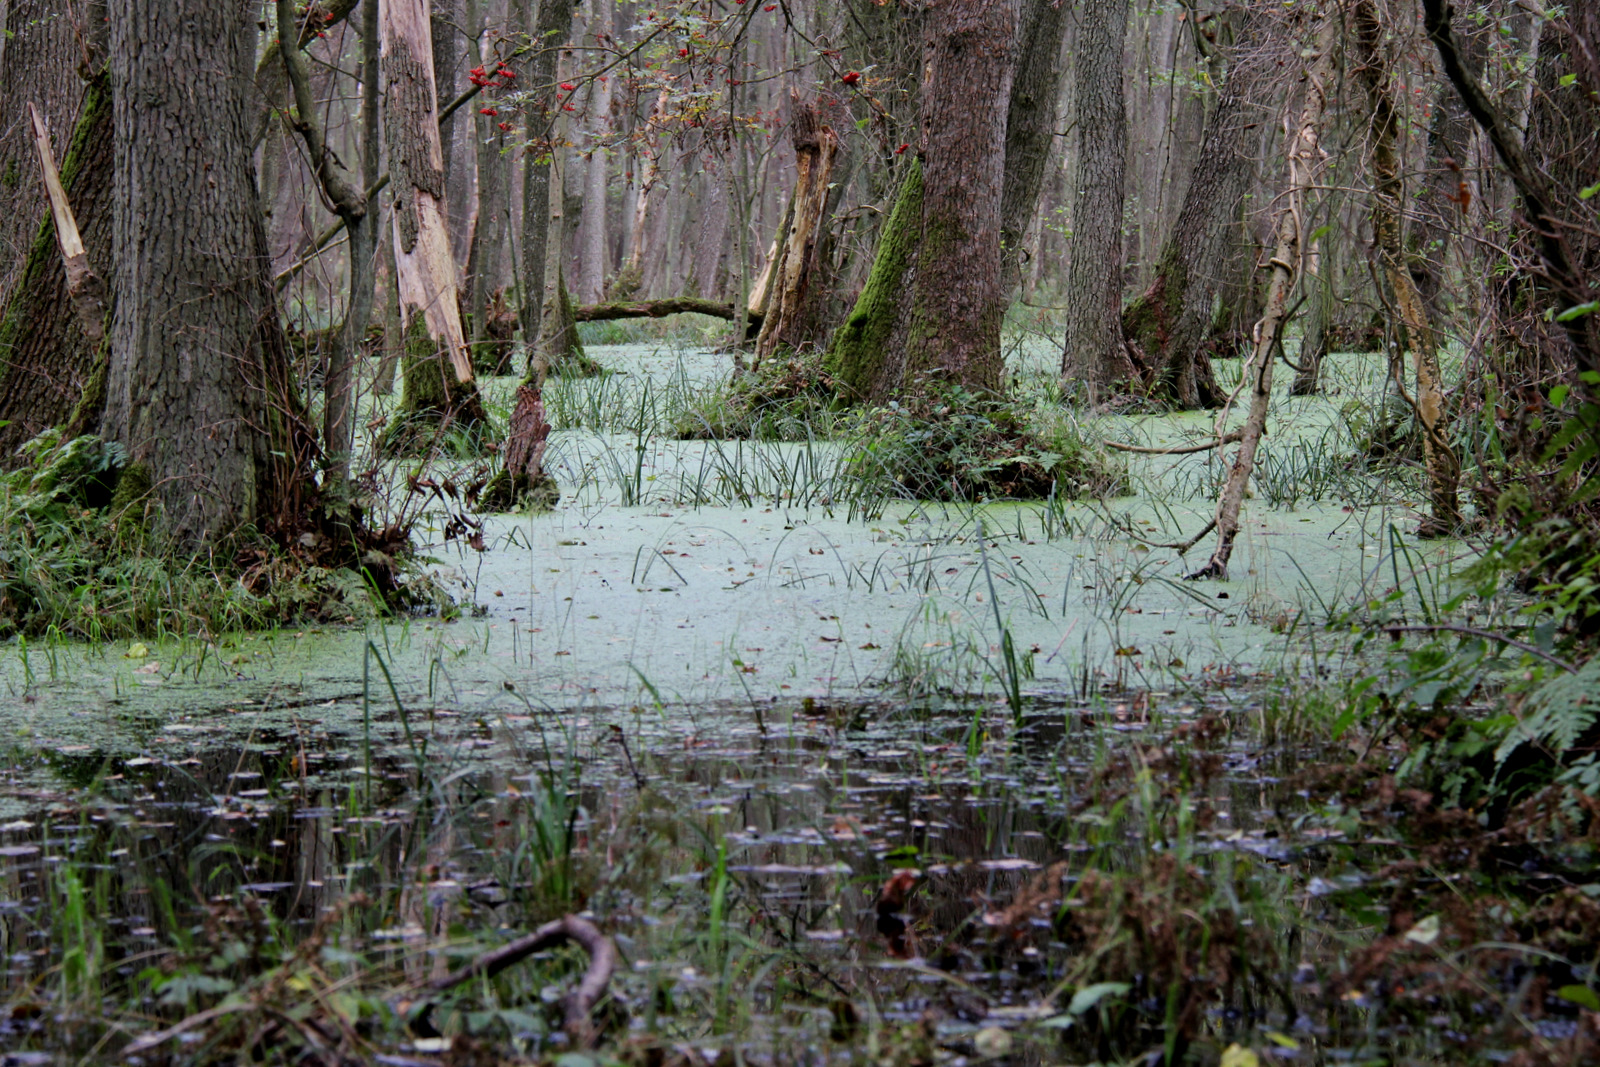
[(726, 731)]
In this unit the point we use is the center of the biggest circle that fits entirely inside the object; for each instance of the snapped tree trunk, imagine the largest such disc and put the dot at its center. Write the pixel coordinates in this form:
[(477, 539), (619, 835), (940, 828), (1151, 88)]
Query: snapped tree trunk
[(1304, 159), (1411, 316), (1168, 323), (198, 389), (792, 317), (1093, 354), (438, 392)]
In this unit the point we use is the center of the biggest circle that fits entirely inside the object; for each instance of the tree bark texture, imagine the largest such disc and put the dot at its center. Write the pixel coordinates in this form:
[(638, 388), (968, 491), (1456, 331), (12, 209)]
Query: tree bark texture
[(1030, 121), (437, 387), (51, 369), (1304, 160), (197, 390), (792, 316), (1168, 323), (486, 259), (957, 300), (1407, 306), (1093, 355)]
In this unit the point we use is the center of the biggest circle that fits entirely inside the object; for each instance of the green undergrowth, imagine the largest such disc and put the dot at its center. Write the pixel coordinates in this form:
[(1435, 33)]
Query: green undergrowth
[(79, 558)]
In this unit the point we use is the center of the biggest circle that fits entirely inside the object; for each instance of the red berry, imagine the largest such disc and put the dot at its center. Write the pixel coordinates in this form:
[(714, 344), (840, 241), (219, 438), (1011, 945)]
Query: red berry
[(851, 78), (491, 112)]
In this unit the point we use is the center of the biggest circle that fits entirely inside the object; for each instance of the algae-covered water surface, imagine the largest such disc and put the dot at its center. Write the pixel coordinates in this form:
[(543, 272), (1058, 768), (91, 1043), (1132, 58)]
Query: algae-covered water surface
[(909, 783)]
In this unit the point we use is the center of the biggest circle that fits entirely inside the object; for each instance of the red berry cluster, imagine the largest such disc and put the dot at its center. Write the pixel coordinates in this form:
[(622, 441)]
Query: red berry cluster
[(502, 77)]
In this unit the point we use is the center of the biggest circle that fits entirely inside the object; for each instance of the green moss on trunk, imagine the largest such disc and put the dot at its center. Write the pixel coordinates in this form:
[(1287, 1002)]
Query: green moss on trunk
[(857, 353), (432, 403)]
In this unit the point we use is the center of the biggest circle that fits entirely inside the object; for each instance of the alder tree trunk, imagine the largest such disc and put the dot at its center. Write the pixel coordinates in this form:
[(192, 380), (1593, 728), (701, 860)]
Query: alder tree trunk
[(1030, 124), (1321, 297), (1167, 325), (792, 315), (1093, 356), (551, 29), (592, 255), (438, 392), (630, 278), (198, 389), (486, 258), (1304, 160), (1407, 307), (53, 370)]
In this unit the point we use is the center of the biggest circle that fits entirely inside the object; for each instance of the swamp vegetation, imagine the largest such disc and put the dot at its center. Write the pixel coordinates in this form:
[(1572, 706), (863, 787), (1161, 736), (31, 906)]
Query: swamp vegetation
[(699, 533)]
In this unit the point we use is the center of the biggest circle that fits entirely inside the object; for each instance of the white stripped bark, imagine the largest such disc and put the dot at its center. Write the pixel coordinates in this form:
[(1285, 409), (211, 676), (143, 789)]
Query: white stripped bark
[(84, 286), (1304, 157), (815, 148), (646, 176), (423, 264)]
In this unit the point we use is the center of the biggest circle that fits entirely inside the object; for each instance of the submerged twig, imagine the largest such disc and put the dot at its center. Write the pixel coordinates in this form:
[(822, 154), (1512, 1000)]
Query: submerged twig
[(578, 1004), (1177, 450)]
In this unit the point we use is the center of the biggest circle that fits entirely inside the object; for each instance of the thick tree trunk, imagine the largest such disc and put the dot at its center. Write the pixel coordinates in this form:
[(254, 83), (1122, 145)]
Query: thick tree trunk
[(1305, 158), (1093, 355), (197, 390), (792, 317), (53, 371), (1411, 313), (1168, 323), (1030, 122), (957, 299), (1320, 295), (438, 389)]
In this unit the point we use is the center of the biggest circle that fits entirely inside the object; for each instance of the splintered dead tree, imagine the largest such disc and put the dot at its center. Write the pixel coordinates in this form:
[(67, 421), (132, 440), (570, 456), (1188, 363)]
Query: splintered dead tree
[(1287, 265), (789, 277), (438, 390), (1407, 308)]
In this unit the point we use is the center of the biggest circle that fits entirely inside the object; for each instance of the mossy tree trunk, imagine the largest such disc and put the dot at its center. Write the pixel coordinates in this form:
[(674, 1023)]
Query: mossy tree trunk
[(437, 391), (859, 356), (54, 371), (957, 300), (198, 389)]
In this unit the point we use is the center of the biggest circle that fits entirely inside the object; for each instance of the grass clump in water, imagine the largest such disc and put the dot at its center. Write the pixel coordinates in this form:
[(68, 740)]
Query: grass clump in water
[(956, 445), (787, 398), (80, 557)]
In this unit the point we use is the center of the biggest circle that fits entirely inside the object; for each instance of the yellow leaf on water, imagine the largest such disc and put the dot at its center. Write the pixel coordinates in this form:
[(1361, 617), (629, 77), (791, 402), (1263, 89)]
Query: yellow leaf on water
[(1237, 1056)]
